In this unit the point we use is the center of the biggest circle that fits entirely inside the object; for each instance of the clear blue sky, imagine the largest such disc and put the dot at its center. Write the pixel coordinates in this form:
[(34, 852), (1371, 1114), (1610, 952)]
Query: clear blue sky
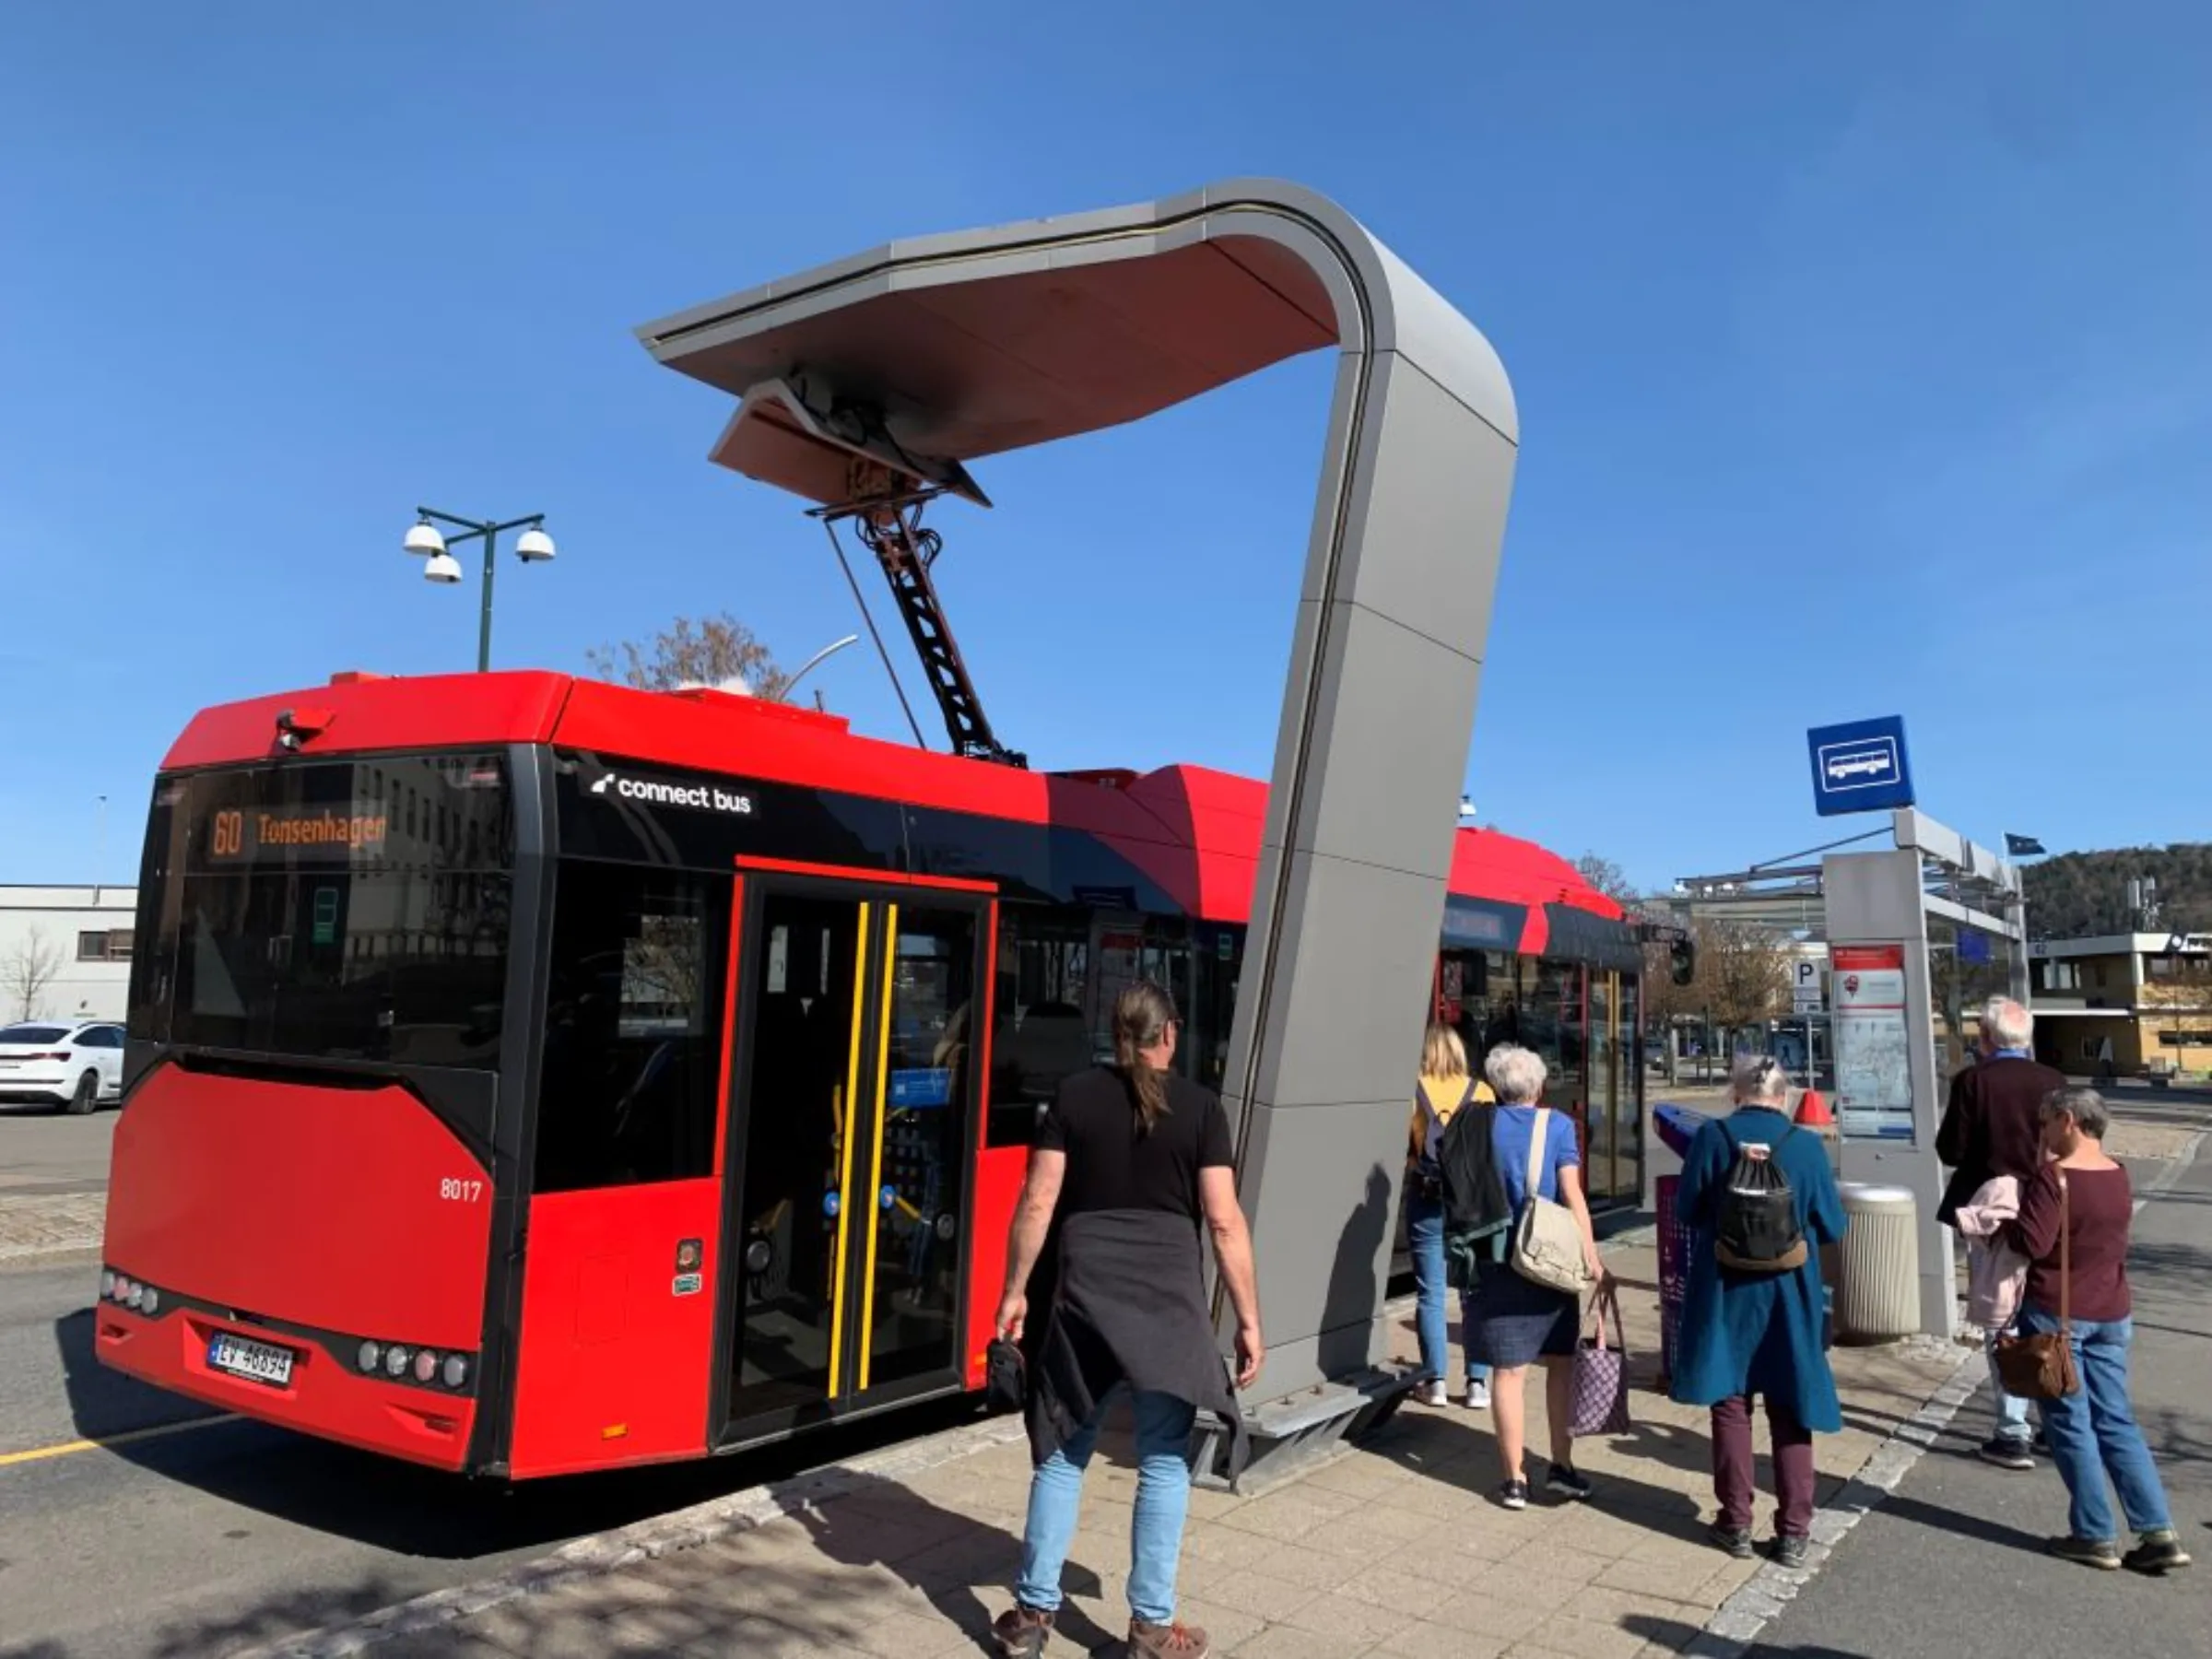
[(1862, 353)]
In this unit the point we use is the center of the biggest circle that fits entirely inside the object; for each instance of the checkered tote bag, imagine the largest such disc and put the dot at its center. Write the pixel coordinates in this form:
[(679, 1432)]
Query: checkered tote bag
[(1601, 1373)]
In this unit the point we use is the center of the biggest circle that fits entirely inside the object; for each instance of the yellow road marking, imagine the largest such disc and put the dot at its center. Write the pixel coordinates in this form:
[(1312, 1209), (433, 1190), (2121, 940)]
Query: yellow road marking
[(130, 1437)]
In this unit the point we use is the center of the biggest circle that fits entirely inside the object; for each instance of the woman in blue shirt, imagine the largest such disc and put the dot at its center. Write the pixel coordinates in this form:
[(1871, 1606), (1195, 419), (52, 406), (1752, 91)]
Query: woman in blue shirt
[(1514, 1322), (1752, 1333)]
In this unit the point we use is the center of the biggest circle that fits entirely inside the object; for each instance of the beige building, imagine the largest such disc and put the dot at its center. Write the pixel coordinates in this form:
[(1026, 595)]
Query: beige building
[(2122, 1004), (65, 952)]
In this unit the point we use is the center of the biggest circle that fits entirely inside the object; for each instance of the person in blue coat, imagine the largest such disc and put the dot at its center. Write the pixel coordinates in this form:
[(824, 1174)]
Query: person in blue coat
[(1758, 1333)]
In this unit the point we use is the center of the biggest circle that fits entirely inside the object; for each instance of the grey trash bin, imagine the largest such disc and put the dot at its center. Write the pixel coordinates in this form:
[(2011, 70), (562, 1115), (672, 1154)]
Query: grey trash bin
[(1878, 1284)]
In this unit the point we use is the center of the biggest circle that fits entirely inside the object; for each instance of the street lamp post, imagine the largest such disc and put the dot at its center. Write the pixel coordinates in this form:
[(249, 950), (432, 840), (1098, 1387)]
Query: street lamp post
[(425, 541)]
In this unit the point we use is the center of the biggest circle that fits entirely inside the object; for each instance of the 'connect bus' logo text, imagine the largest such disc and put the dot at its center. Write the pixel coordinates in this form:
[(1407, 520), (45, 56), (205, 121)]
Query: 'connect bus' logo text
[(704, 797)]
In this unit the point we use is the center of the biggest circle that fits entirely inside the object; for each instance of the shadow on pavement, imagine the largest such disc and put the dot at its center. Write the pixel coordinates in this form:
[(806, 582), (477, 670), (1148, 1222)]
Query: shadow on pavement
[(1458, 1451), (103, 1402), (412, 1511), (1671, 1633), (842, 1570)]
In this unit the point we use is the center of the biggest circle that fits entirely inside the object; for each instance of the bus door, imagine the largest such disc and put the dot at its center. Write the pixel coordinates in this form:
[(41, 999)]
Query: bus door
[(854, 1108)]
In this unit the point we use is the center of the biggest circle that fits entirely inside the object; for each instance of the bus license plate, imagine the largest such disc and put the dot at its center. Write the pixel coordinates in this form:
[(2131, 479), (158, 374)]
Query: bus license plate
[(256, 1361)]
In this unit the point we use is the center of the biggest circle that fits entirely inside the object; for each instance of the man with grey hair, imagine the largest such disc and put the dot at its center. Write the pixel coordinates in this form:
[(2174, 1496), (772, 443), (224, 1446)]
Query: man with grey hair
[(1993, 1126)]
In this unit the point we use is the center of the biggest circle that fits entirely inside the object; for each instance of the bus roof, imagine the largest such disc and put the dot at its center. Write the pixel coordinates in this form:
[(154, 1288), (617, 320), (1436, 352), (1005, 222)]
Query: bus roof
[(1188, 808)]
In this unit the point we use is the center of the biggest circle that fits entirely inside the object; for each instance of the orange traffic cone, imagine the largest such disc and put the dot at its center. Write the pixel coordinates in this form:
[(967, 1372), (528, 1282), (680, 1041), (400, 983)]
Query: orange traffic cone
[(1813, 1113)]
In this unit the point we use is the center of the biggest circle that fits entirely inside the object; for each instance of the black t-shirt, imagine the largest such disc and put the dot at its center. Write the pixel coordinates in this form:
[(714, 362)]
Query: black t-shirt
[(1111, 1166)]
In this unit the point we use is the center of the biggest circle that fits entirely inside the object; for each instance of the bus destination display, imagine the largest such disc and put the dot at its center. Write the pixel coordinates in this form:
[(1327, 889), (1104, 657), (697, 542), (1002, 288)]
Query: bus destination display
[(245, 833)]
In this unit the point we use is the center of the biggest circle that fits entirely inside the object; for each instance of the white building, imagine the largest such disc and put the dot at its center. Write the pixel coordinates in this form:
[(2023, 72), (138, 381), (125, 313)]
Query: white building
[(65, 951)]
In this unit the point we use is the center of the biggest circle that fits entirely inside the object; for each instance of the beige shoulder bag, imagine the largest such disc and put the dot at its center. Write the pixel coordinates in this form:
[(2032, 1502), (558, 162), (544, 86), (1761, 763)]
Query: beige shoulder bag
[(1547, 1240)]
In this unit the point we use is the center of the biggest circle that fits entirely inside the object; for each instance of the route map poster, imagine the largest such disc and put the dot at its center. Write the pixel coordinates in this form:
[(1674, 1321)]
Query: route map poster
[(1874, 1055)]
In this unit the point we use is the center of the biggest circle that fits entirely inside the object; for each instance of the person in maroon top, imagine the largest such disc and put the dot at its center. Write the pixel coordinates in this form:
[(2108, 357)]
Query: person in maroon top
[(1993, 1126), (2076, 1213)]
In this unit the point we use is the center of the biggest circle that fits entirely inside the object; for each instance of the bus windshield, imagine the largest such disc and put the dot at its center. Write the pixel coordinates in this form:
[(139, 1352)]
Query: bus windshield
[(330, 910)]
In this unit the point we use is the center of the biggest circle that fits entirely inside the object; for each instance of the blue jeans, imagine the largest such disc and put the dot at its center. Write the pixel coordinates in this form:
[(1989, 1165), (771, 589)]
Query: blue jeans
[(1163, 1497), (2093, 1433), (1424, 1231), (2013, 1423)]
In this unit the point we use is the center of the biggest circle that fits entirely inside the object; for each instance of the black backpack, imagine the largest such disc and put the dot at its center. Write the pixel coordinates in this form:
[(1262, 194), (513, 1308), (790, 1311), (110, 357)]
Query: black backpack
[(1755, 1225), (1478, 1214)]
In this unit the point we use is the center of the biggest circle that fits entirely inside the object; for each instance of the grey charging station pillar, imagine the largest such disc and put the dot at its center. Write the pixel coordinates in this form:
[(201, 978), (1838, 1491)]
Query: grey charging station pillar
[(905, 361), (1876, 899)]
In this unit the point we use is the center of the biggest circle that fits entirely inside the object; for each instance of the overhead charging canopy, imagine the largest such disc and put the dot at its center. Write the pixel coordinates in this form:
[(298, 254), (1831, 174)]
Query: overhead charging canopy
[(887, 375)]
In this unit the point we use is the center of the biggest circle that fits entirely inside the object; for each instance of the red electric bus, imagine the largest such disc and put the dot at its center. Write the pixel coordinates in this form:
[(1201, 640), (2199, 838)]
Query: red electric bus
[(529, 1075)]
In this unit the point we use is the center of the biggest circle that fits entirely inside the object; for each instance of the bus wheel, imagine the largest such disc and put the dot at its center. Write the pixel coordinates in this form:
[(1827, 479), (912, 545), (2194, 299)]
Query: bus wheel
[(87, 1097)]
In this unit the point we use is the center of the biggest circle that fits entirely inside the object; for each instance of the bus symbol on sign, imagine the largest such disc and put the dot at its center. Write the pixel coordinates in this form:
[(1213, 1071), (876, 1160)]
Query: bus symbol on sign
[(1862, 766)]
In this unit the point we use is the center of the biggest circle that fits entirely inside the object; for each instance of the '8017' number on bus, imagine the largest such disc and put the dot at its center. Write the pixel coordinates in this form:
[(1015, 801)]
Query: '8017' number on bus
[(460, 1190)]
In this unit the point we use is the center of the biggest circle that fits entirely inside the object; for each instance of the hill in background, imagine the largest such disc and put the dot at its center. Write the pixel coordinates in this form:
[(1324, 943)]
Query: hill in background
[(2078, 894)]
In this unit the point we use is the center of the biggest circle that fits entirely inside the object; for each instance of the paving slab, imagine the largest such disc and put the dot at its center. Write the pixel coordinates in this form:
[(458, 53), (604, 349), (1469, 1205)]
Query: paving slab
[(1392, 1548)]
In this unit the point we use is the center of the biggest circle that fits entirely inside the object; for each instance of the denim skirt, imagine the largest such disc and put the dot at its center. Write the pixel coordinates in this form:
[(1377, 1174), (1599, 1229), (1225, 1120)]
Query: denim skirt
[(1512, 1322)]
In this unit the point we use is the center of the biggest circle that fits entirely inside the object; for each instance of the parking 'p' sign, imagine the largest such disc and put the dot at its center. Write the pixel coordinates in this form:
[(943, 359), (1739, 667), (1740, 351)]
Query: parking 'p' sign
[(1861, 767)]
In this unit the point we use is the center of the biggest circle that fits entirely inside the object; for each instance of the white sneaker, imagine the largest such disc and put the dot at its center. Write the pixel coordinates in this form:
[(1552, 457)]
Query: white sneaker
[(1431, 1393), (1479, 1396)]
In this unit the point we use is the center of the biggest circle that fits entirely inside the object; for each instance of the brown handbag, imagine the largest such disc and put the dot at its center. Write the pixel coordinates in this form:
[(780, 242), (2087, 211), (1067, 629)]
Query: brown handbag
[(2040, 1366)]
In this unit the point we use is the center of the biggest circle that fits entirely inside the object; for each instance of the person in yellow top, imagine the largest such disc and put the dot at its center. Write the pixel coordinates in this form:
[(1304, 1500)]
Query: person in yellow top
[(1444, 1089)]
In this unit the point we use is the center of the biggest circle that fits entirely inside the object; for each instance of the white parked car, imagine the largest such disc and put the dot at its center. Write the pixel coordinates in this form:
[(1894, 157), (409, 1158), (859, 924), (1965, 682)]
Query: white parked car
[(75, 1066)]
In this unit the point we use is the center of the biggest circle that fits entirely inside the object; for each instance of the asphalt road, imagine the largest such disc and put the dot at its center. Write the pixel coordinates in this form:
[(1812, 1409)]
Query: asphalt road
[(1952, 1564), (208, 1535), (45, 1151)]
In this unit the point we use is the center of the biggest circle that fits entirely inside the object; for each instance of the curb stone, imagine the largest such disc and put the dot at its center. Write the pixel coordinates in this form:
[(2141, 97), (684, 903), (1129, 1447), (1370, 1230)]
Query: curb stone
[(1733, 1631)]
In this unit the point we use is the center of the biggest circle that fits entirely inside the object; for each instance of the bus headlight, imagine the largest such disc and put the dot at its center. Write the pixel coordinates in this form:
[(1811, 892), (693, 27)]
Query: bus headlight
[(395, 1362), (370, 1356), (426, 1366), (457, 1370)]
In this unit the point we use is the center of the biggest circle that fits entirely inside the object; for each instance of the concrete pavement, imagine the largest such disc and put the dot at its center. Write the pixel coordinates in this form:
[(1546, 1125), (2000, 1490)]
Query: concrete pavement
[(1394, 1549)]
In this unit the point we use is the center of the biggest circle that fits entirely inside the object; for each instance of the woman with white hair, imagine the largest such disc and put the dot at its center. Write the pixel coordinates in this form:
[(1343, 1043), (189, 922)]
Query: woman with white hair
[(1514, 1322), (1758, 1199)]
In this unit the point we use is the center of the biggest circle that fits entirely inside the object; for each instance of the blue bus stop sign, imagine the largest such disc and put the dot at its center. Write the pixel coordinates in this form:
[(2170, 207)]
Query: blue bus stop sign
[(1861, 767)]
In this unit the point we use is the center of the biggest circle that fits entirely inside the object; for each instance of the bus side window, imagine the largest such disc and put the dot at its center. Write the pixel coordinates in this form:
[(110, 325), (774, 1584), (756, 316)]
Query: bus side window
[(634, 1028), (1039, 1034)]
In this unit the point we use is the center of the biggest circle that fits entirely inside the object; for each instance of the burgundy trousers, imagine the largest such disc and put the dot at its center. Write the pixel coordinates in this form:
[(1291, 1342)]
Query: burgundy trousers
[(1735, 1467)]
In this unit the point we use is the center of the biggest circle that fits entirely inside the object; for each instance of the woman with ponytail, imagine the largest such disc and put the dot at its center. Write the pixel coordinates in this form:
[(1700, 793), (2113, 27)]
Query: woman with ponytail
[(1145, 1028), (1129, 1161)]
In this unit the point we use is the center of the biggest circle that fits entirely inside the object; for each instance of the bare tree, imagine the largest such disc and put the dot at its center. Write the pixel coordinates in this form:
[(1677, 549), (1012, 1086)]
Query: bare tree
[(1743, 973), (714, 651), (32, 966), (1608, 879), (1663, 999)]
